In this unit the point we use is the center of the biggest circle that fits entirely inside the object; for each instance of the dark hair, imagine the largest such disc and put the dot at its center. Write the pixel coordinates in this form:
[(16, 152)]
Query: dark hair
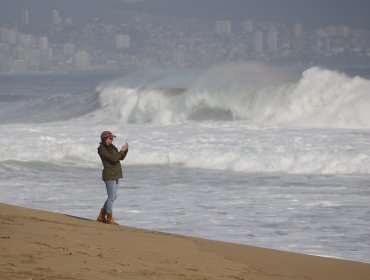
[(104, 139)]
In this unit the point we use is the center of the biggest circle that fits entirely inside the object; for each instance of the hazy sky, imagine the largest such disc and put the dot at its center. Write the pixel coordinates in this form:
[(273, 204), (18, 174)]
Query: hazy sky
[(354, 13), (311, 12)]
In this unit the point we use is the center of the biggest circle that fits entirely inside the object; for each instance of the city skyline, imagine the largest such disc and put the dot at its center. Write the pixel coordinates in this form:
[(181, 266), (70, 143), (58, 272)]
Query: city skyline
[(312, 13), (134, 39)]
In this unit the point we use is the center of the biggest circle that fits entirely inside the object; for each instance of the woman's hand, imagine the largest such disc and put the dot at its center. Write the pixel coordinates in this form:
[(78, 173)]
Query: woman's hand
[(125, 147)]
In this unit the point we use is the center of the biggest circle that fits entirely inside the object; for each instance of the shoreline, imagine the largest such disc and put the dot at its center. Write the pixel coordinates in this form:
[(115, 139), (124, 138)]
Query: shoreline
[(36, 244)]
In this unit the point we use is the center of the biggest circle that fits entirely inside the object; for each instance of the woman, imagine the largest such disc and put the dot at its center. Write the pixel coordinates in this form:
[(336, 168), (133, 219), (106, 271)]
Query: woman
[(112, 172)]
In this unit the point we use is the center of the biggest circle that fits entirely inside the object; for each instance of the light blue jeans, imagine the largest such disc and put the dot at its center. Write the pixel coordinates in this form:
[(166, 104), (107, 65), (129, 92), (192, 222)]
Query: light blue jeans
[(112, 195)]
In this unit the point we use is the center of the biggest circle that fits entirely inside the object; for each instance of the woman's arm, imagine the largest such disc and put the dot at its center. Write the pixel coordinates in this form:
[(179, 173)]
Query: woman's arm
[(115, 157), (125, 150), (124, 155)]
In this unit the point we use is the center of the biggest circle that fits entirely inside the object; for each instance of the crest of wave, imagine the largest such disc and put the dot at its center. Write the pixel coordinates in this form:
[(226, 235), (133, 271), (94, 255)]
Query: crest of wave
[(260, 94), (324, 98)]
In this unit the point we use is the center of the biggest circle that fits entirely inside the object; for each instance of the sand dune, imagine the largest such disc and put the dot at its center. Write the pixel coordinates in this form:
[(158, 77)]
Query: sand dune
[(43, 245)]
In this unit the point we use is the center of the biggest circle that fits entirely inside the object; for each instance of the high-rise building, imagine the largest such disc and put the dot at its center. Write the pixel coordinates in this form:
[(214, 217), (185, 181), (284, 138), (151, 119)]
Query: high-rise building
[(272, 40), (298, 40), (3, 34), (35, 58), (82, 59), (248, 25), (26, 40), (8, 35), (57, 19), (50, 54), (69, 50), (223, 27), (43, 43), (298, 30), (258, 42), (25, 18)]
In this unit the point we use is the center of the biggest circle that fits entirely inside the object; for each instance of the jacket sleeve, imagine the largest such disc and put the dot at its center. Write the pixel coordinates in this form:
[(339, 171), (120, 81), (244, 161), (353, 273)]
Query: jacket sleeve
[(124, 155), (114, 158)]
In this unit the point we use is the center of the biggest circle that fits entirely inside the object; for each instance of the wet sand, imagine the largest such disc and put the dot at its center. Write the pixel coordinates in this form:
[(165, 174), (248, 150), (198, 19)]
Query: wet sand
[(37, 244)]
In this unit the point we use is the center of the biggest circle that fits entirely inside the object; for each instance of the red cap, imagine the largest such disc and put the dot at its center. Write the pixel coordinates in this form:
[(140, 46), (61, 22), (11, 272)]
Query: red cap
[(107, 134)]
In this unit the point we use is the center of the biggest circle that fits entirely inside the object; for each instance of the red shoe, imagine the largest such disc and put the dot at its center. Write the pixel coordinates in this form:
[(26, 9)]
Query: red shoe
[(110, 219), (101, 217)]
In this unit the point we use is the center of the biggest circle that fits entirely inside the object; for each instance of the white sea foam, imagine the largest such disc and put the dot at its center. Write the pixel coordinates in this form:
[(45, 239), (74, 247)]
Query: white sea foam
[(217, 146), (247, 118), (321, 98), (260, 95)]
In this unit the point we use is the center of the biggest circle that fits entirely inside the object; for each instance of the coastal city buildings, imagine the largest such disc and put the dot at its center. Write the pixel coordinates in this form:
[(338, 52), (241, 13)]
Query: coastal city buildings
[(138, 40)]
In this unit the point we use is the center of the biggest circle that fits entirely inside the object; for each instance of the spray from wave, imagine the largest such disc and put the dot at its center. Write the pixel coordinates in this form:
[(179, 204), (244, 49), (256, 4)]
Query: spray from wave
[(260, 94)]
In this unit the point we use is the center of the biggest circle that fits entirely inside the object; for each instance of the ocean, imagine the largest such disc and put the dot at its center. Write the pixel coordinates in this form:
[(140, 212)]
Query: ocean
[(243, 153)]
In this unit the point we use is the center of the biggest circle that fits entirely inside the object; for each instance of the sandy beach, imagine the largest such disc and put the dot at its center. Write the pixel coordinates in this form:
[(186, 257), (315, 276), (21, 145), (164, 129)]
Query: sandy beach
[(37, 244)]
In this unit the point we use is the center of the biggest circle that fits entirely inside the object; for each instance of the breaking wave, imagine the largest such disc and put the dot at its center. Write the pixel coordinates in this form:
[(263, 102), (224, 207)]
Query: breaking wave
[(258, 94)]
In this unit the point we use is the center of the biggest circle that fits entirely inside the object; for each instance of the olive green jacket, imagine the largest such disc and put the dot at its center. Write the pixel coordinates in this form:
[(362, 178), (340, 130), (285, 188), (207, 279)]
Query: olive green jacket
[(110, 157)]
